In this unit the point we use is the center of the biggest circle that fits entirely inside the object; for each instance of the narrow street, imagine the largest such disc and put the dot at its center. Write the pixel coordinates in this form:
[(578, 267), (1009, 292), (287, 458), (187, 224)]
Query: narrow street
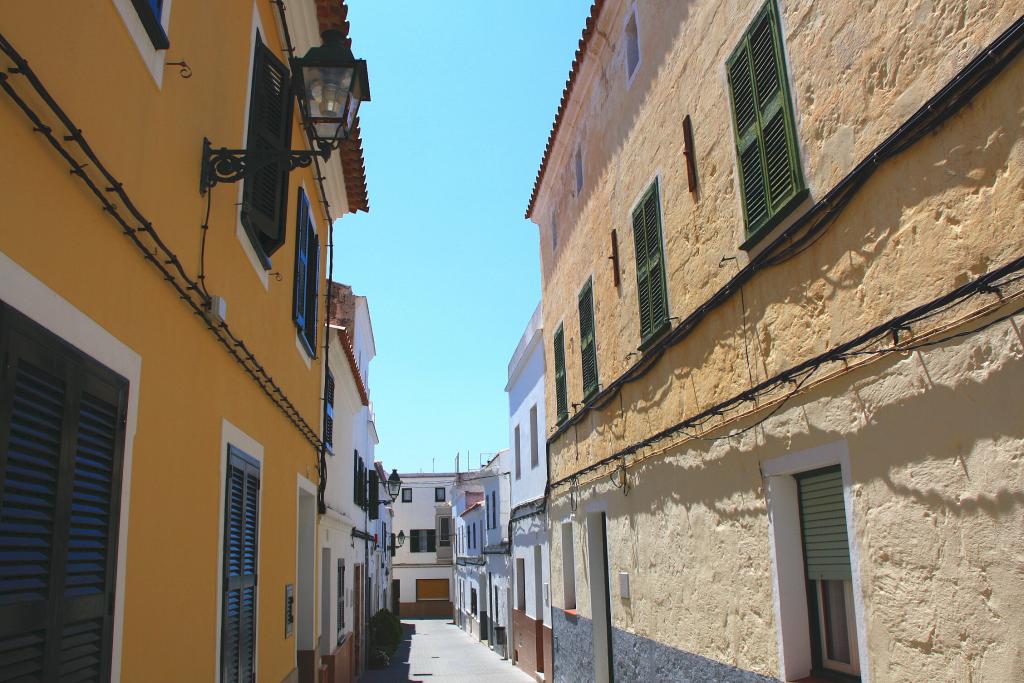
[(436, 650)]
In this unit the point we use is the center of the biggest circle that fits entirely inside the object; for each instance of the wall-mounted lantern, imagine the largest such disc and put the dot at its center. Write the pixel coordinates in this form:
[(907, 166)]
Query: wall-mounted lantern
[(400, 539), (330, 84), (394, 486)]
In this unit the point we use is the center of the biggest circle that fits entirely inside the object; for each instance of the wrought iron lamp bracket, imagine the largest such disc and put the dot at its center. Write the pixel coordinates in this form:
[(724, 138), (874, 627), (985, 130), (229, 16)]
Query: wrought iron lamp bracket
[(223, 165)]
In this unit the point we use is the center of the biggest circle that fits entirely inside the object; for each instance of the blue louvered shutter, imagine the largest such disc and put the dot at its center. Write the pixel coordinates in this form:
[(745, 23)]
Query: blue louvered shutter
[(61, 449), (329, 410), (265, 189), (763, 122), (241, 529), (301, 262)]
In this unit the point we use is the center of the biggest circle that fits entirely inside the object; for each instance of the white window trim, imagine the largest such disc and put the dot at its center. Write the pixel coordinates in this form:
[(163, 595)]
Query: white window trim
[(23, 291), (788, 580), (154, 59), (630, 77)]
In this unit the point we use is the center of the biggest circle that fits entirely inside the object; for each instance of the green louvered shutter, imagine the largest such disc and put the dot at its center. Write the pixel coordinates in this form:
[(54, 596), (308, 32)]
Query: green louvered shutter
[(265, 190), (770, 177), (588, 343), (823, 523), (650, 265), (561, 400)]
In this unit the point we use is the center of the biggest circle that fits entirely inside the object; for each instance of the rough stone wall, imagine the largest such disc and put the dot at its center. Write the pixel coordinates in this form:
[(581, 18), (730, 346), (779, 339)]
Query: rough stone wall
[(939, 480), (936, 448), (343, 305)]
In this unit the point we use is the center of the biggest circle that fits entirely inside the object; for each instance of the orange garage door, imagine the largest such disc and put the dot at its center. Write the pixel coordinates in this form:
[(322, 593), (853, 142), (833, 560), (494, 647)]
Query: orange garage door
[(431, 589)]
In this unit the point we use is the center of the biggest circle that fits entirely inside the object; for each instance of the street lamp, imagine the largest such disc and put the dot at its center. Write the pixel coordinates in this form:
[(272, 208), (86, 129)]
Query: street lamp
[(331, 84), (394, 485)]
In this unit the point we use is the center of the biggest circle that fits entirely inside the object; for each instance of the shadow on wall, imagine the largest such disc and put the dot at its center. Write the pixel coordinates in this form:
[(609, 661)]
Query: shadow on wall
[(635, 658), (728, 470), (910, 223)]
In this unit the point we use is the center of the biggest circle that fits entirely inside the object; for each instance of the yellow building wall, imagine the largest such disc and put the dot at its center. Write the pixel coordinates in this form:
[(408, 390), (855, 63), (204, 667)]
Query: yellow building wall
[(150, 138), (693, 531)]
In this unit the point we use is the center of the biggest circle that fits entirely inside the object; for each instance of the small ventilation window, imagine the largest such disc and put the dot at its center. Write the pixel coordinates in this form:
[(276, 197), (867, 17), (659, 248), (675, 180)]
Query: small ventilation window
[(632, 43)]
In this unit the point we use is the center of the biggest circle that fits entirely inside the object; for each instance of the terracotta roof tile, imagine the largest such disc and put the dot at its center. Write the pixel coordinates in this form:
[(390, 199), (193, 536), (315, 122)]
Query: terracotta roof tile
[(577, 62)]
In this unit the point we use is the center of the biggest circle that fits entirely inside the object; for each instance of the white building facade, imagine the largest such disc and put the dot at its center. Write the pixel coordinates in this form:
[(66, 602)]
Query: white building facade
[(531, 607), (356, 518), (422, 565)]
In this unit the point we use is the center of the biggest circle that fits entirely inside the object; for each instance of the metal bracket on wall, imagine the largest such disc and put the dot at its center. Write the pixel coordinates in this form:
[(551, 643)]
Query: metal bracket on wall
[(225, 165)]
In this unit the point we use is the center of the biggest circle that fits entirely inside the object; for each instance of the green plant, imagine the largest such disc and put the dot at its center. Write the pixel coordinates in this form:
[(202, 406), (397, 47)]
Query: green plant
[(385, 632), (379, 658)]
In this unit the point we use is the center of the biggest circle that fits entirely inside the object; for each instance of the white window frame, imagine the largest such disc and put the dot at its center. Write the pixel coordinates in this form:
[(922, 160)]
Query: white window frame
[(153, 58), (789, 592)]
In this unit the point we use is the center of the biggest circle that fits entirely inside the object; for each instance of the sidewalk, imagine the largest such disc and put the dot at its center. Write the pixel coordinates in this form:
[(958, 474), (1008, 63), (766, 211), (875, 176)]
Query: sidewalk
[(435, 650)]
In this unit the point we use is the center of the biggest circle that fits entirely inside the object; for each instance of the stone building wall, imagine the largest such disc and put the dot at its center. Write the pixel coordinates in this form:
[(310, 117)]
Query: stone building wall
[(934, 438)]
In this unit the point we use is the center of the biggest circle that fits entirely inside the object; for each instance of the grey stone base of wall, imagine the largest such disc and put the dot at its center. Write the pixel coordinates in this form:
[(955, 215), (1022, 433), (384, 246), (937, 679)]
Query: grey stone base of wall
[(637, 659)]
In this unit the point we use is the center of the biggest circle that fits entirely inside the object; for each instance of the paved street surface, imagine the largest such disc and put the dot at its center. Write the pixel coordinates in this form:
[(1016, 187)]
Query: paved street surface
[(436, 651)]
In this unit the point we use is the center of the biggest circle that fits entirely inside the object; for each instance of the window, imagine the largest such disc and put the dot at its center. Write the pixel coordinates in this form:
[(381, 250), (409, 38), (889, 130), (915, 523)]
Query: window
[(241, 531), (406, 495), (826, 549), (517, 449), (329, 412), (358, 481), (534, 449), (422, 540), (373, 489), (631, 40), (444, 533), (554, 231), (588, 342), (62, 440), (307, 274), (568, 568), (432, 589), (521, 584), (438, 494), (493, 510), (650, 266), (341, 601), (150, 14), (561, 400), (265, 190), (771, 182), (578, 169), (472, 601)]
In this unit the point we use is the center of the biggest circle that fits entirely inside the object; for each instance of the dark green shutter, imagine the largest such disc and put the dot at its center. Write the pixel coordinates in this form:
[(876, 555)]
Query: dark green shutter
[(431, 541), (61, 450), (561, 399), (650, 265), (588, 342), (374, 494), (241, 531), (764, 125), (265, 190), (823, 523)]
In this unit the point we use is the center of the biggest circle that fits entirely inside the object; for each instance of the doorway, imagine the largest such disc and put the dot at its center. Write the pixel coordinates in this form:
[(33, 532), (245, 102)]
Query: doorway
[(600, 598), (305, 624)]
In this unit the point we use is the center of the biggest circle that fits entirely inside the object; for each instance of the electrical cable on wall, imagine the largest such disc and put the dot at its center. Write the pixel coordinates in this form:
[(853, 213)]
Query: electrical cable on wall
[(992, 283), (990, 62)]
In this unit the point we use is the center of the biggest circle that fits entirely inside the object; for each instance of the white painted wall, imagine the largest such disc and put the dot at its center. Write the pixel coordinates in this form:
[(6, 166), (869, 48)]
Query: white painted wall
[(525, 390)]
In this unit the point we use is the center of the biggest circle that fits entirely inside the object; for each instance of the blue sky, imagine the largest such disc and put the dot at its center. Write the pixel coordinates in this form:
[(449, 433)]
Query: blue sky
[(464, 94)]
